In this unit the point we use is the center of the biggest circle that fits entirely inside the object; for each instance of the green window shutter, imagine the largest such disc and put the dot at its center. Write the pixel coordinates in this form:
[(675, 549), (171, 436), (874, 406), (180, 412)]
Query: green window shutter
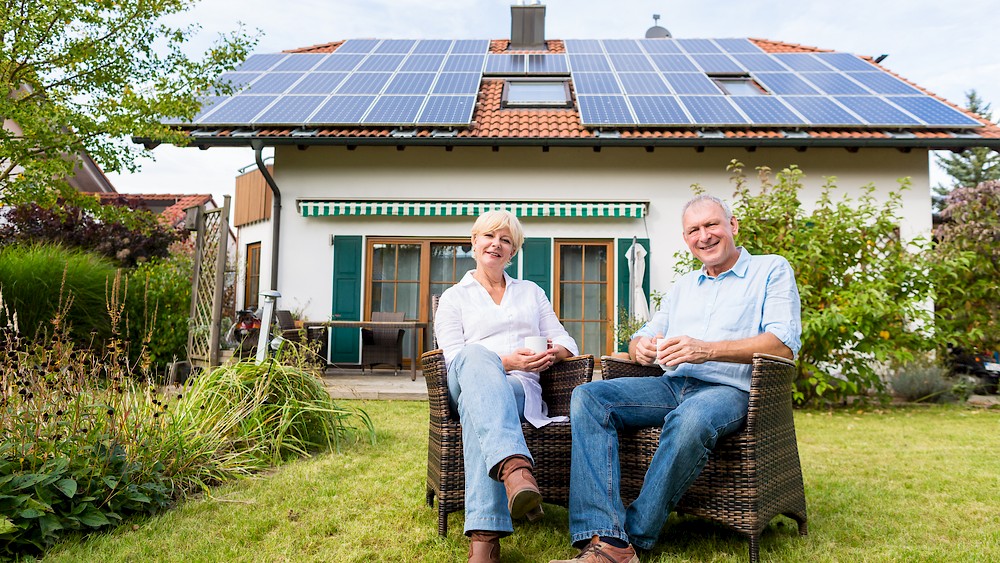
[(623, 297), (347, 279), (537, 263)]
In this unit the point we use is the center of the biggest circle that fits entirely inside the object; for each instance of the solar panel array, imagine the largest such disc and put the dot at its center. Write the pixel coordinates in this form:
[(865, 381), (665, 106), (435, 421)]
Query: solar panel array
[(676, 82), (618, 82), (364, 82)]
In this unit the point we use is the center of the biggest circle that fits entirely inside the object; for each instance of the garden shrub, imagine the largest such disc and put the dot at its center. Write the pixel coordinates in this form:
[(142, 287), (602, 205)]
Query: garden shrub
[(922, 382), (863, 290)]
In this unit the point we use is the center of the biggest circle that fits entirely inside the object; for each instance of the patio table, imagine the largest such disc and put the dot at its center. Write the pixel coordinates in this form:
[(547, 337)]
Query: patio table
[(412, 326)]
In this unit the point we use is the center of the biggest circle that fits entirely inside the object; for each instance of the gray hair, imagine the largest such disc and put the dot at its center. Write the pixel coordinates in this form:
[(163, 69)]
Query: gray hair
[(705, 198)]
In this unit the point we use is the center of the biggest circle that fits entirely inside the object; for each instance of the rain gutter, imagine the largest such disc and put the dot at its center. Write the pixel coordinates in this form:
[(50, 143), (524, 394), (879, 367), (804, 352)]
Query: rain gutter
[(258, 147)]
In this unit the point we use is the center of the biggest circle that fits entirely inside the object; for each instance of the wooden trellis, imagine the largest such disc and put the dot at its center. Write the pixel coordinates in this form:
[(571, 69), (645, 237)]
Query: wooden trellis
[(212, 242)]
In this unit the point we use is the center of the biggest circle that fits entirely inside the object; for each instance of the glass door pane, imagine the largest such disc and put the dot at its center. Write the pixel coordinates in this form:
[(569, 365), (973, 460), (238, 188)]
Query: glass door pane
[(582, 300)]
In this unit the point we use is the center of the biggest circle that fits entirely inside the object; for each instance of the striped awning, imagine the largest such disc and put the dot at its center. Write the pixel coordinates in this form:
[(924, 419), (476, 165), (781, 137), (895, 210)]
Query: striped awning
[(609, 209)]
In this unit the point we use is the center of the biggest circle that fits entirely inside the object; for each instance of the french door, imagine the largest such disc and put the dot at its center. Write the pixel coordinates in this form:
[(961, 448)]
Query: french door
[(584, 273)]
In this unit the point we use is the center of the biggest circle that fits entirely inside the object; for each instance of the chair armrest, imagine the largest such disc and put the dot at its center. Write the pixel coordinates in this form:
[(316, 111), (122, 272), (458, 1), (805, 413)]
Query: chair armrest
[(770, 393), (436, 378), (559, 381), (613, 368)]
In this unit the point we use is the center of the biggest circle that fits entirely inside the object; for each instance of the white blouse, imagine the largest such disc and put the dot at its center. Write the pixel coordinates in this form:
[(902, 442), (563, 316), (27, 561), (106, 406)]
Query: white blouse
[(466, 314)]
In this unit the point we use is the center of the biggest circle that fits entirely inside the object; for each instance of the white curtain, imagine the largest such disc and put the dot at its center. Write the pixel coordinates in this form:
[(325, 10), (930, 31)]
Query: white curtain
[(636, 256)]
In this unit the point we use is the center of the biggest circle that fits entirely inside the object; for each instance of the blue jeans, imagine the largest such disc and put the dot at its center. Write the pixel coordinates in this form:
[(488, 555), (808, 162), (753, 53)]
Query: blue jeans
[(693, 415), (490, 406)]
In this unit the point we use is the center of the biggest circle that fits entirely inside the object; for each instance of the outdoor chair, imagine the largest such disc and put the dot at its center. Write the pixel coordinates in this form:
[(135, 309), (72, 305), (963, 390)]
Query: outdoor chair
[(549, 445), (383, 346), (752, 475)]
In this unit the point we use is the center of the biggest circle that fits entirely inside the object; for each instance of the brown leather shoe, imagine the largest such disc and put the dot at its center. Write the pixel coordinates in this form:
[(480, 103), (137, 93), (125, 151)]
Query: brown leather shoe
[(523, 496), (600, 552), (484, 547)]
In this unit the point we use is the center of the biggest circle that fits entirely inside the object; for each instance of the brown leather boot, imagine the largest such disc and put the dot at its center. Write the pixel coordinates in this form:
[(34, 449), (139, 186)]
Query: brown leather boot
[(599, 552), (523, 496), (484, 547)]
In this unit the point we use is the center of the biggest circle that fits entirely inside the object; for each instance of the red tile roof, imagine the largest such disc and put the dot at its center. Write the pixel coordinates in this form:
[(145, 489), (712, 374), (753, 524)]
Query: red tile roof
[(491, 122)]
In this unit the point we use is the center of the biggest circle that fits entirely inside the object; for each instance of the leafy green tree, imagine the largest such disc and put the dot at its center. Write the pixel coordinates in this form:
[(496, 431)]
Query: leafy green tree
[(967, 257), (863, 290), (87, 75), (970, 167)]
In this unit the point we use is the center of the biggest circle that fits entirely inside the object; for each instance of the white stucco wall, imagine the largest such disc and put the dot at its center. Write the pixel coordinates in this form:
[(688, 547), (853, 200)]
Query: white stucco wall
[(663, 178)]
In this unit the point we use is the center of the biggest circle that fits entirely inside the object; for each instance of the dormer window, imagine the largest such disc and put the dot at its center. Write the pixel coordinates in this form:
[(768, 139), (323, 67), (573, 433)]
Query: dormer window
[(536, 94), (738, 85)]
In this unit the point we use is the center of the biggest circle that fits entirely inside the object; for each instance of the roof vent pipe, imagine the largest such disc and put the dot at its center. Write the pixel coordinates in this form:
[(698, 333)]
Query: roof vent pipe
[(527, 27)]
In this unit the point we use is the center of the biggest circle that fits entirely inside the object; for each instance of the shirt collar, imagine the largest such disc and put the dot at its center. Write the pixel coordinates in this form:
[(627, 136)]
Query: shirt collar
[(739, 269), (468, 280)]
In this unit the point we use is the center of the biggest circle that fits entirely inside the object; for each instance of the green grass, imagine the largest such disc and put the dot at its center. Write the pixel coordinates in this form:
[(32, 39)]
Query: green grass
[(911, 484)]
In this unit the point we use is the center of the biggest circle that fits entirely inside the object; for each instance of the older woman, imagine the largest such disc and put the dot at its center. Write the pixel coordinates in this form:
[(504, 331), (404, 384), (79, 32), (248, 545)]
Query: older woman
[(481, 323)]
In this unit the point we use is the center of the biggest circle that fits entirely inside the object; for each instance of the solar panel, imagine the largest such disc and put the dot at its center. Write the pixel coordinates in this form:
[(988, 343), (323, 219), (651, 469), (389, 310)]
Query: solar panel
[(589, 63), (630, 63), (876, 111), (402, 46), (933, 111), (548, 64), (596, 83), (464, 63), (785, 83), (625, 46), (274, 83), (835, 83), (342, 109), (299, 61), (422, 63), (237, 110), (674, 63), (844, 61), (712, 110), (717, 64), (758, 62), (448, 110), (737, 45), (505, 64), (380, 63), (457, 83), (659, 46), (411, 83), (767, 110), (801, 62), (658, 110), (364, 83), (290, 109), (604, 110), (583, 46), (260, 62), (882, 83), (340, 63), (238, 80), (697, 46), (691, 83), (643, 83), (470, 46), (394, 110), (820, 110), (208, 103), (432, 46), (363, 46), (318, 83)]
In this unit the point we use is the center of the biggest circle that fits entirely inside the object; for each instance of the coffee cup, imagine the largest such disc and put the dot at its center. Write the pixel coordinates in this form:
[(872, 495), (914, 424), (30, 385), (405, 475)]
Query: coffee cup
[(537, 344), (661, 344)]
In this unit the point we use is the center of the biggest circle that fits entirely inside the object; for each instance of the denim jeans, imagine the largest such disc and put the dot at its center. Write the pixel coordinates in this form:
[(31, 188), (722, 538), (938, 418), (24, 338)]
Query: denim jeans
[(490, 406), (693, 415)]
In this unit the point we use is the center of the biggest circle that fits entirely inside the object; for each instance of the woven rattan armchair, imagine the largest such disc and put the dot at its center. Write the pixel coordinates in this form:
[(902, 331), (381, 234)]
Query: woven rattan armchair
[(752, 475), (549, 445)]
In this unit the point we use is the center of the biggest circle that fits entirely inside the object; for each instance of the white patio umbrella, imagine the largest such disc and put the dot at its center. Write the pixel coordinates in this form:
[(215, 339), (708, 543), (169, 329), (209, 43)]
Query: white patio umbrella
[(636, 256)]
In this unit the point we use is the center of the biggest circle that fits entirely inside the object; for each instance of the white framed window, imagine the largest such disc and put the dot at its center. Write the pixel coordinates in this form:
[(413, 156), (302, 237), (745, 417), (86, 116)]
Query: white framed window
[(536, 94)]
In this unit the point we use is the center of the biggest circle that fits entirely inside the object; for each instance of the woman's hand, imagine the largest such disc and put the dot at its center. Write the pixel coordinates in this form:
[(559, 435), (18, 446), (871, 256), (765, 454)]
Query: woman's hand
[(523, 359)]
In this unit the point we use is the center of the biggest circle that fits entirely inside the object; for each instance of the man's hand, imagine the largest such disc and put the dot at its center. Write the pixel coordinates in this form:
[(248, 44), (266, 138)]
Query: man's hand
[(644, 349), (683, 349)]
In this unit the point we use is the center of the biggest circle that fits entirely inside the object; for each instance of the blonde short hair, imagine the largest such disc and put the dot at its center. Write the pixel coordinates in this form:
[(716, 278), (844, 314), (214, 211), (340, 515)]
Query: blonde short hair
[(498, 219)]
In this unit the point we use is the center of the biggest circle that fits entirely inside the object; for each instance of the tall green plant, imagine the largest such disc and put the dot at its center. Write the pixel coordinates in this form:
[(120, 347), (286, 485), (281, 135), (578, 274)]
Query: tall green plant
[(159, 305), (864, 292)]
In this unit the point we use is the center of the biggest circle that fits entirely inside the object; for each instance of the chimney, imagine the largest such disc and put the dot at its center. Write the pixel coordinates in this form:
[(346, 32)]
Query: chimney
[(527, 27)]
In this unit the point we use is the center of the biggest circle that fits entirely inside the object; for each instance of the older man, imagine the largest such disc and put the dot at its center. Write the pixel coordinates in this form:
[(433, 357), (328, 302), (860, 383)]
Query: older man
[(712, 322)]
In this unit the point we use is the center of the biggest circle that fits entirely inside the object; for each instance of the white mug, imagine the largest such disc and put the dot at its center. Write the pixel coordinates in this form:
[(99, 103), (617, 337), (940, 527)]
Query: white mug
[(660, 344), (536, 344)]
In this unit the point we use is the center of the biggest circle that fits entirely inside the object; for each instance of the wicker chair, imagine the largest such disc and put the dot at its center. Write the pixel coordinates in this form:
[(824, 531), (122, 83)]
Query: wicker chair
[(549, 445), (752, 475), (383, 345)]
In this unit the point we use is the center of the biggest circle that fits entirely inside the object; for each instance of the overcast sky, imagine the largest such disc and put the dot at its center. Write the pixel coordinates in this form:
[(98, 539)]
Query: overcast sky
[(948, 48)]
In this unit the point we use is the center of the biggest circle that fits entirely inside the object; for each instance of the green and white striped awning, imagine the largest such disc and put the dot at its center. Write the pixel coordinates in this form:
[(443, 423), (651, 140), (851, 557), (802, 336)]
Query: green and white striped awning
[(609, 209)]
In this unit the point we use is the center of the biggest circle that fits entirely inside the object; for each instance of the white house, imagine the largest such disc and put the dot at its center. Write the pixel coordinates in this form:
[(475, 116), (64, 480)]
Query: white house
[(385, 150)]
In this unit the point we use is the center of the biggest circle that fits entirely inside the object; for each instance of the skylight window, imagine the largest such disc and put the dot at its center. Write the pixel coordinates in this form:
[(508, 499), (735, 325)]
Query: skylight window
[(738, 85), (536, 94)]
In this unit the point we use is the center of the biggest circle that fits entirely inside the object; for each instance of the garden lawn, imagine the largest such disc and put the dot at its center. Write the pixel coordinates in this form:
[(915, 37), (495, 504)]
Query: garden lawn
[(907, 484)]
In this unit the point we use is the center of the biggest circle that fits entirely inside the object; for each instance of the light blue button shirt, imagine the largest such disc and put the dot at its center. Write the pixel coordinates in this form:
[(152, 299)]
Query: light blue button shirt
[(758, 294)]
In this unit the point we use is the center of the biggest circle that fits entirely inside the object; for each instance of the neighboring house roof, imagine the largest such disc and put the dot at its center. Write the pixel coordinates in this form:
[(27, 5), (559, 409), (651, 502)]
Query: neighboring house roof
[(493, 125), (169, 207)]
